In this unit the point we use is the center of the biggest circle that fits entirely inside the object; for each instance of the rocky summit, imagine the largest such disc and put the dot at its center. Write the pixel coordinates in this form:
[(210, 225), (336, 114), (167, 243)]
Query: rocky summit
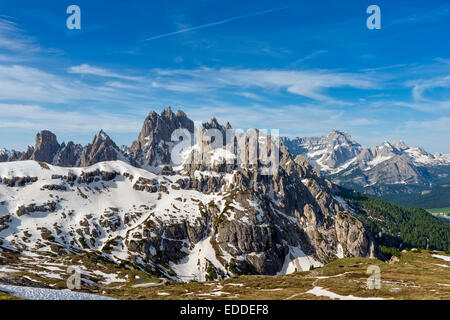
[(197, 221)]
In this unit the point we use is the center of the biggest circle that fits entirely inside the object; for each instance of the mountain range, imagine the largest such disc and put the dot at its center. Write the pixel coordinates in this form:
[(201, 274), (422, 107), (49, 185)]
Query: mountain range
[(68, 205), (197, 221), (392, 171)]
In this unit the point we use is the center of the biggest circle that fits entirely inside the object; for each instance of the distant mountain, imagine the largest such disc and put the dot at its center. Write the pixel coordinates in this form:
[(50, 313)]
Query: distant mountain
[(386, 171), (328, 152), (48, 150)]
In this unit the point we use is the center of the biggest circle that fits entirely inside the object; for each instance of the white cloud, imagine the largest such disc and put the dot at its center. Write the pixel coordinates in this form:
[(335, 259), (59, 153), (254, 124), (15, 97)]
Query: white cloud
[(15, 40), (250, 95), (310, 84), (290, 119), (29, 84), (441, 124), (25, 84), (12, 39), (442, 60), (96, 71), (36, 118), (421, 86)]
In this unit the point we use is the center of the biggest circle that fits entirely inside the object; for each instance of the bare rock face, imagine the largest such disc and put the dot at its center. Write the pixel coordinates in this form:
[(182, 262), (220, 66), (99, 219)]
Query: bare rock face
[(69, 155), (153, 145), (5, 155), (46, 147), (101, 149), (268, 220)]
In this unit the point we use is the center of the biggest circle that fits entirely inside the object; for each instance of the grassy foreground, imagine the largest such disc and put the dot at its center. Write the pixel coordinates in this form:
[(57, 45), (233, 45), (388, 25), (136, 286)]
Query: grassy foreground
[(414, 275), (417, 275)]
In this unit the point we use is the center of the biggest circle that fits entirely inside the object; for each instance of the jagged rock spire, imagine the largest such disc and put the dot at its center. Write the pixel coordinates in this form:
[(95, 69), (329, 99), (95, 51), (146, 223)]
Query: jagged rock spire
[(101, 149)]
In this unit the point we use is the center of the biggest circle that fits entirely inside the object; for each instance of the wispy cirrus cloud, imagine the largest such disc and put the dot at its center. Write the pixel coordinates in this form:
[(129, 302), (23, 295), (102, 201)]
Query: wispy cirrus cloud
[(421, 86), (12, 38), (308, 83), (36, 117), (24, 84), (309, 57), (85, 69), (18, 82), (441, 124), (15, 41), (216, 23)]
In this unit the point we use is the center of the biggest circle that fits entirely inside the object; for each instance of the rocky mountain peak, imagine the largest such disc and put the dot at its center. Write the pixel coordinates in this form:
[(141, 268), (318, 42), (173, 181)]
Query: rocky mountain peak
[(378, 170), (102, 137), (167, 113), (46, 147), (154, 141), (400, 145), (330, 151), (212, 124), (180, 114), (267, 224), (336, 137), (161, 126), (5, 155), (69, 155), (101, 149)]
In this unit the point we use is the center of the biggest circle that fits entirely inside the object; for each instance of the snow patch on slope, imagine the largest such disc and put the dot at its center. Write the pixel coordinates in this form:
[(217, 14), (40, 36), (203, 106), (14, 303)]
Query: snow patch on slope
[(297, 260), (321, 292), (193, 267), (30, 293)]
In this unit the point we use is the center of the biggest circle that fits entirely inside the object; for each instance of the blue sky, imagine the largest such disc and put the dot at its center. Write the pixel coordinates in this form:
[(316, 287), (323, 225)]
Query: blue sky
[(304, 67)]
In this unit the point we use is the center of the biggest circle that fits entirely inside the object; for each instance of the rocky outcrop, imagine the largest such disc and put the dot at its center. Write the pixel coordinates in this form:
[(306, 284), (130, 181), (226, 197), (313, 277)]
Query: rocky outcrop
[(101, 149), (5, 155), (46, 147), (153, 145), (69, 155)]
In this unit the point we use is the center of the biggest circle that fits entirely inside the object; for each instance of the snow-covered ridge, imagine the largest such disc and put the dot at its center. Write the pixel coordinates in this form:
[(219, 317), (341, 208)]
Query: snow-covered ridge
[(337, 151), (106, 209), (30, 168)]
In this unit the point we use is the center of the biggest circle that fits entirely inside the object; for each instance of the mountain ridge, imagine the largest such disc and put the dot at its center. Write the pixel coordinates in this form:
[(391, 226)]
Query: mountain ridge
[(386, 171), (201, 220)]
